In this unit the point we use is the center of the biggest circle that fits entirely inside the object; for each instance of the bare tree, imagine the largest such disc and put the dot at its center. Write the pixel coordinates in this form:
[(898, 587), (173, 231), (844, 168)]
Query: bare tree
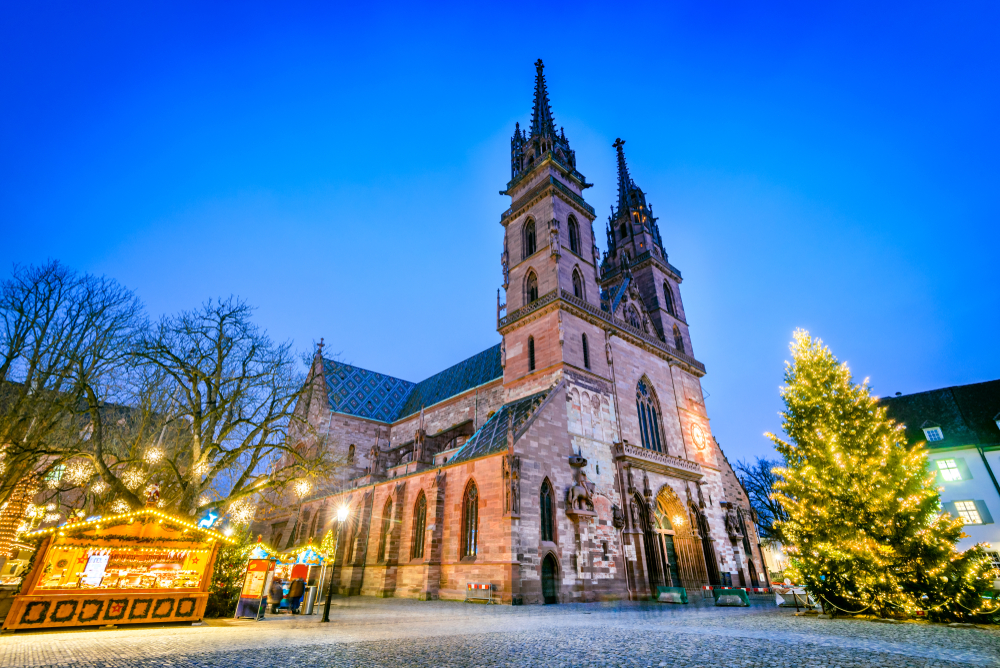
[(98, 408), (758, 479)]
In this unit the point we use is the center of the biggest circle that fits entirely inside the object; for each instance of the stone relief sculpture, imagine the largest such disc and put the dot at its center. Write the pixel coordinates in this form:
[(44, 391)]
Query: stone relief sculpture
[(580, 496)]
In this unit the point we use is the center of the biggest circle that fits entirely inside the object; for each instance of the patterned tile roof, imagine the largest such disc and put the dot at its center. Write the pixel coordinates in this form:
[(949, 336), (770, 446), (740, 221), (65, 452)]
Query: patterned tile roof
[(376, 396), (478, 369), (492, 436)]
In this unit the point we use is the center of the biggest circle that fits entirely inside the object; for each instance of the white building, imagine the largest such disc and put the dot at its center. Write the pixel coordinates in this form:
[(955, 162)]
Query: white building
[(961, 428)]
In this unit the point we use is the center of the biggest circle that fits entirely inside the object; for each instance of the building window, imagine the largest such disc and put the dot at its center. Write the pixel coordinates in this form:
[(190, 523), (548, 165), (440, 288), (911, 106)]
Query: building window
[(574, 235), (994, 559), (668, 299), (545, 505), (419, 527), (649, 417), (968, 512), (678, 339), (531, 353), (623, 231), (633, 317), (470, 521), (386, 528), (577, 284), (933, 434), (529, 240), (350, 454), (586, 353), (530, 288), (949, 470)]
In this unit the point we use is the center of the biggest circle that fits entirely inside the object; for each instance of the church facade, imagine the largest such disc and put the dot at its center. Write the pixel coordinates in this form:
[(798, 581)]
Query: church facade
[(572, 461)]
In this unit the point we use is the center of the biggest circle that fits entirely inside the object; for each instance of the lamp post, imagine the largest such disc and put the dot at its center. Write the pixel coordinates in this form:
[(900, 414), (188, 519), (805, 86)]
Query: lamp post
[(341, 516)]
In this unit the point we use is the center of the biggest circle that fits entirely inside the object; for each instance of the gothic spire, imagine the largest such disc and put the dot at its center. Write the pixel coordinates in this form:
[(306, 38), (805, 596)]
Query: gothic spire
[(624, 182), (542, 124)]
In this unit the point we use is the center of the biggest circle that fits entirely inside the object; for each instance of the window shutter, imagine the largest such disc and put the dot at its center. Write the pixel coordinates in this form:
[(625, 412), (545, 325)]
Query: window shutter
[(949, 507), (963, 468), (984, 512)]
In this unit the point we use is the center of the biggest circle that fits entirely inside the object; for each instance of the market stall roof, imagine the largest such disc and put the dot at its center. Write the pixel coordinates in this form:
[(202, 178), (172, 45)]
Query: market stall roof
[(124, 518), (287, 555)]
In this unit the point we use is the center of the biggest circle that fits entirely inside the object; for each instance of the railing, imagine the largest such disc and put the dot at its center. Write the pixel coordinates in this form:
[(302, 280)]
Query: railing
[(547, 298), (527, 197), (665, 463), (634, 331)]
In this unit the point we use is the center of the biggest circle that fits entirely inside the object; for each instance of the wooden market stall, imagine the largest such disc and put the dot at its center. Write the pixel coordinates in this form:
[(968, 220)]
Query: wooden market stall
[(139, 567)]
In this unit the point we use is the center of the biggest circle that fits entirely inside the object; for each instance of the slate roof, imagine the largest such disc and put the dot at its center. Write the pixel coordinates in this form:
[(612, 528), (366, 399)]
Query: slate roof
[(491, 438), (966, 414), (376, 396)]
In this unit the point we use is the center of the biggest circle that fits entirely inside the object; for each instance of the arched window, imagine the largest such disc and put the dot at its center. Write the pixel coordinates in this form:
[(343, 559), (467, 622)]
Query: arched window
[(633, 317), (386, 528), (528, 245), (649, 416), (419, 527), (678, 339), (574, 235), (668, 299), (470, 521), (623, 231), (350, 454), (531, 353), (577, 284), (586, 353), (545, 506), (530, 288)]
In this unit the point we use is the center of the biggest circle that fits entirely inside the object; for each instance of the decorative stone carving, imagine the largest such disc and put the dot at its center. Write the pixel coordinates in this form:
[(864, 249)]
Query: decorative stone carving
[(503, 353), (505, 264), (554, 249), (617, 518), (512, 484), (579, 497)]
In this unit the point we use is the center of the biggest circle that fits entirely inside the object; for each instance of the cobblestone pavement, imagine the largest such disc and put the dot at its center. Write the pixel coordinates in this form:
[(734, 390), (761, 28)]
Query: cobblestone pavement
[(397, 632)]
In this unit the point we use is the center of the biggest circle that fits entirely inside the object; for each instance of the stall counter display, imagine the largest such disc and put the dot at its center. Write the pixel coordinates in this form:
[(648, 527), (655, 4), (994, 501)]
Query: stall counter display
[(140, 567)]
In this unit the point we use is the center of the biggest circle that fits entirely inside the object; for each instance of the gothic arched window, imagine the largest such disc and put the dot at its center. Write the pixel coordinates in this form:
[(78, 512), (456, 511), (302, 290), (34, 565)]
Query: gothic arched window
[(470, 520), (545, 506), (577, 284), (586, 353), (528, 245), (574, 235), (419, 527), (623, 231), (668, 299), (530, 288), (633, 317), (649, 416), (531, 353), (678, 339), (386, 528)]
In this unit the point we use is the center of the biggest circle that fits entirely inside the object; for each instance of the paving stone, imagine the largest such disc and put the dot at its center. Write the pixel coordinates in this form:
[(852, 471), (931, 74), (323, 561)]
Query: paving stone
[(395, 633)]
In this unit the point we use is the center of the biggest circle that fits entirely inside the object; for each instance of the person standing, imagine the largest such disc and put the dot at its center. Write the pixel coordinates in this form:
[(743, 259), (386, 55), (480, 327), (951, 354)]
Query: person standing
[(275, 594), (296, 589)]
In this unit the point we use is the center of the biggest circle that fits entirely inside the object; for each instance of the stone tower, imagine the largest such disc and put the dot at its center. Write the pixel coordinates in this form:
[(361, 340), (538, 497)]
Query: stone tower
[(549, 251), (635, 249)]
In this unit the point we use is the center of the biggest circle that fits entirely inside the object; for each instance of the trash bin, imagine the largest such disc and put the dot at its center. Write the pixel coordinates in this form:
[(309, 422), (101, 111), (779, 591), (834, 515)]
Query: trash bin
[(310, 600)]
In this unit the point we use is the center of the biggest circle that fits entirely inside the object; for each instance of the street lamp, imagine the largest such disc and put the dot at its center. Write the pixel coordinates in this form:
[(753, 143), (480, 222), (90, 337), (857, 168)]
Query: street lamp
[(341, 516)]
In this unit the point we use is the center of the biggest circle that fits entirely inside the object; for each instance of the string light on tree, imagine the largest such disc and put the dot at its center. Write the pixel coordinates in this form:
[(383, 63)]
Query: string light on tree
[(133, 479), (864, 528), (154, 455)]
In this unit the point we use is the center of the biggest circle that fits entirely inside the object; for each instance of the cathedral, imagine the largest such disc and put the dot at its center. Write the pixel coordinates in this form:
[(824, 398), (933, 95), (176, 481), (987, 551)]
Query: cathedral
[(572, 461)]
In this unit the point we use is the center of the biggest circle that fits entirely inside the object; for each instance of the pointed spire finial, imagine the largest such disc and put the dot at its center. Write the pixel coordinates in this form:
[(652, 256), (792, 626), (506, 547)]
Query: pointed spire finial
[(319, 347), (623, 178), (542, 124)]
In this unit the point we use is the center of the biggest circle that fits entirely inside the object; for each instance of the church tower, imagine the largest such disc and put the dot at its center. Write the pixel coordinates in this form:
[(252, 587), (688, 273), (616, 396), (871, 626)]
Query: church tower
[(635, 249), (549, 251)]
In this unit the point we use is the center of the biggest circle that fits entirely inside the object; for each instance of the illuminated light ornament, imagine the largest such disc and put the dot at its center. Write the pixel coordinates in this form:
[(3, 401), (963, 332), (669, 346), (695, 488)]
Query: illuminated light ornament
[(51, 517), (79, 473), (302, 487), (204, 500), (209, 519), (50, 507), (132, 479), (120, 506), (242, 511), (202, 468), (99, 487), (154, 455)]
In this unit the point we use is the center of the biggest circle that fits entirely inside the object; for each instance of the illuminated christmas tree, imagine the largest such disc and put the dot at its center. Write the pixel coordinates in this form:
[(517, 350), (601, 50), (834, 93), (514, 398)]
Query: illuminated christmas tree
[(864, 530)]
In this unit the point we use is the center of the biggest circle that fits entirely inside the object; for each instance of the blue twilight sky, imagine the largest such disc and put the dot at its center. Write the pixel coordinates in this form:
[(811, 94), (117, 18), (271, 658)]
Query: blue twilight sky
[(833, 168)]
